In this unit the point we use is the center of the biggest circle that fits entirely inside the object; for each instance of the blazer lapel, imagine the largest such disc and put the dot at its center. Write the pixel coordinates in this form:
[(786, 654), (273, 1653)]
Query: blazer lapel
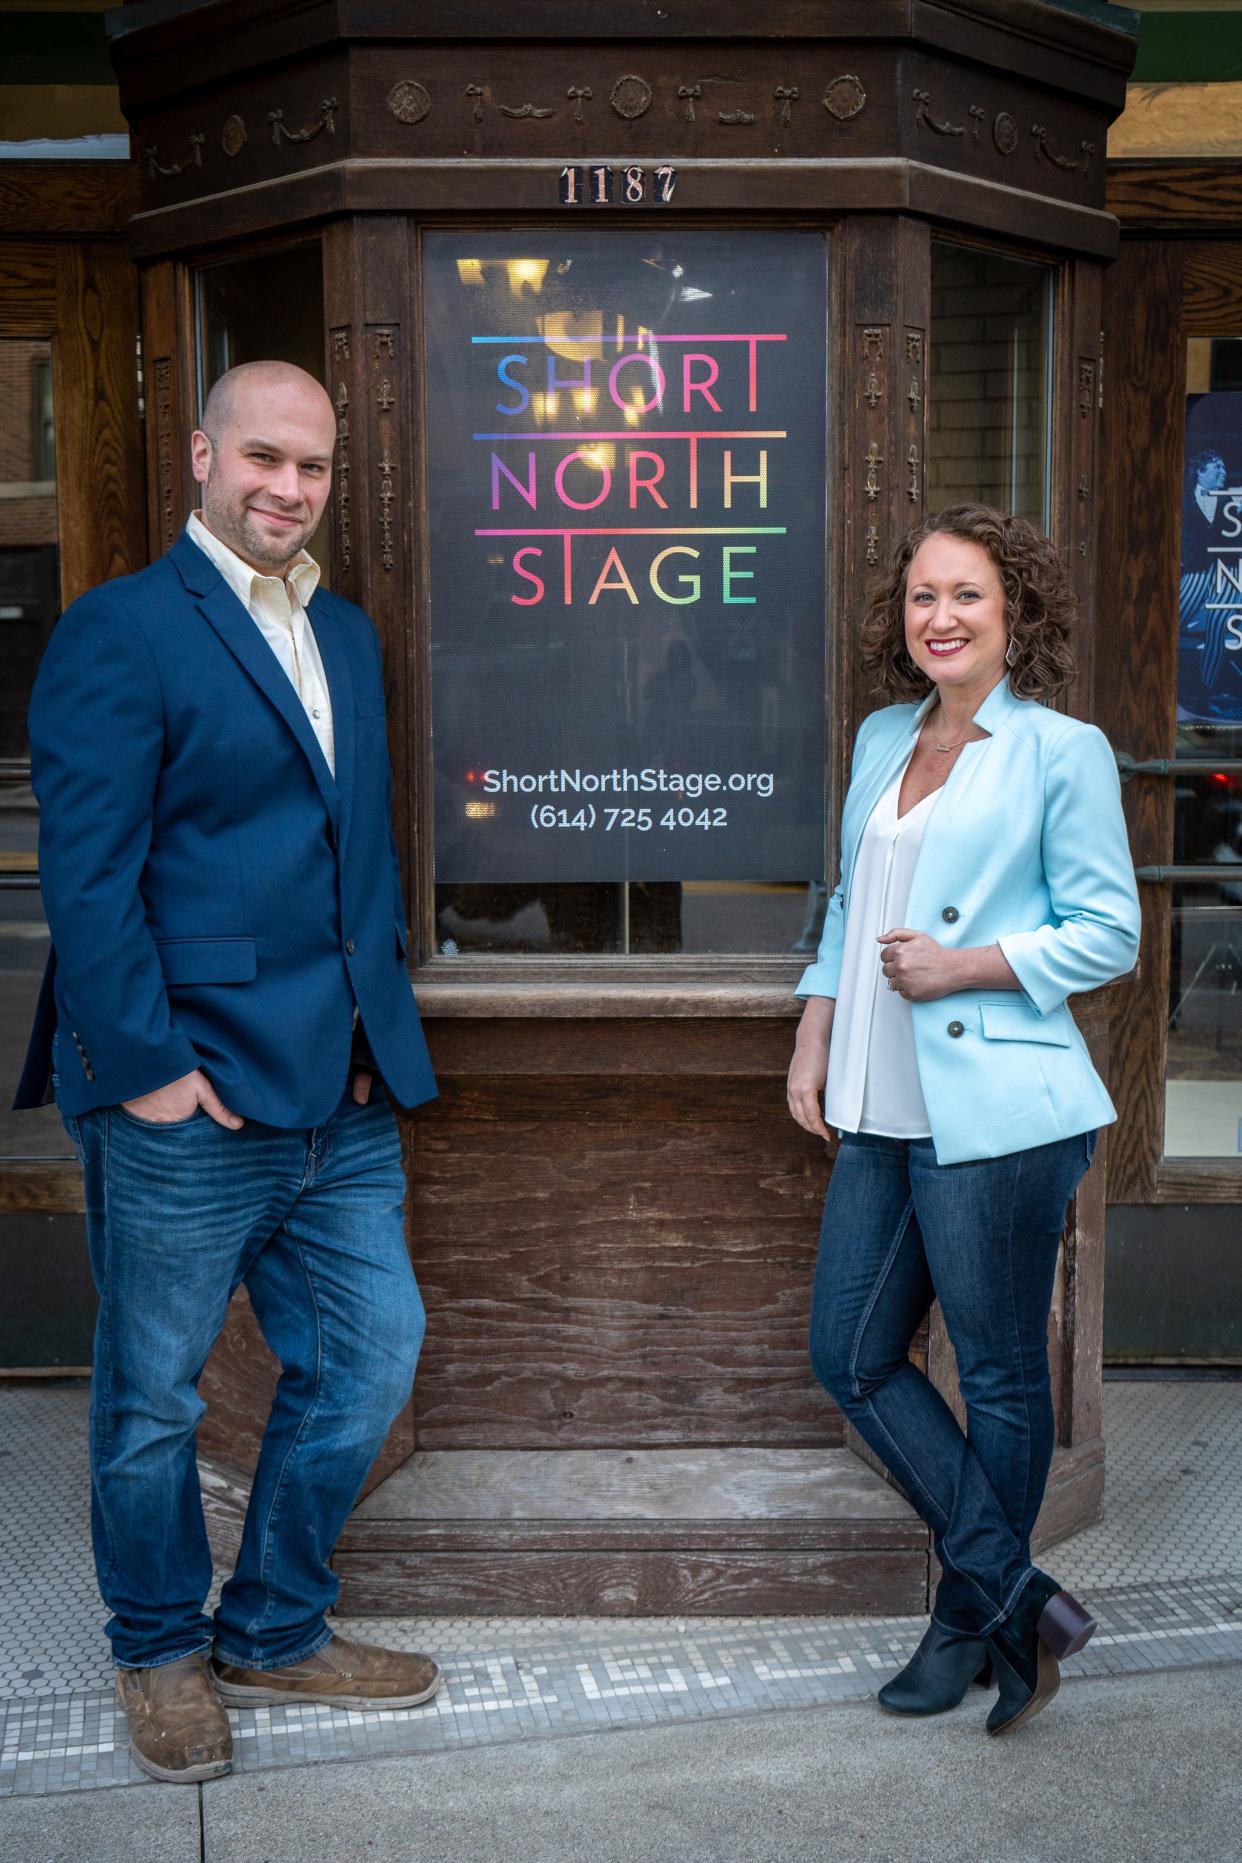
[(247, 645), (991, 715), (329, 638), (870, 785)]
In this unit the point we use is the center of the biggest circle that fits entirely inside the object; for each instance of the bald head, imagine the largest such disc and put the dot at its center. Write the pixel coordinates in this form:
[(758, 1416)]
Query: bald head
[(263, 456), (232, 394)]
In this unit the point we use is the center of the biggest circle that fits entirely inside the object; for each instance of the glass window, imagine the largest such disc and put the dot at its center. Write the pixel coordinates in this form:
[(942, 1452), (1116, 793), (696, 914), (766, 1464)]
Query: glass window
[(267, 305), (626, 520), (29, 606), (989, 406), (1203, 1093)]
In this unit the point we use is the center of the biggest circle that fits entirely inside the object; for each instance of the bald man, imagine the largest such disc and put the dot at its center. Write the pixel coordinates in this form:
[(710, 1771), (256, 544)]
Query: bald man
[(225, 1020)]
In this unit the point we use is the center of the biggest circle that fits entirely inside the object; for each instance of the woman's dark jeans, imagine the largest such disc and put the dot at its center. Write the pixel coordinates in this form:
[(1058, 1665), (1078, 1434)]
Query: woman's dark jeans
[(899, 1231)]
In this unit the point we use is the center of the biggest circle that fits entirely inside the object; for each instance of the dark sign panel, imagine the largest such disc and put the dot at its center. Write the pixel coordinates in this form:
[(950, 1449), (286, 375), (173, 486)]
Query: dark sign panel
[(1209, 679), (625, 493)]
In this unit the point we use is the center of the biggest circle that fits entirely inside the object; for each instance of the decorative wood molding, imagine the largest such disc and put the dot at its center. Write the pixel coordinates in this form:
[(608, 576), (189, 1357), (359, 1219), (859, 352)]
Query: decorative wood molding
[(165, 449), (408, 101), (631, 97), (194, 159), (845, 97), (309, 131), (924, 118)]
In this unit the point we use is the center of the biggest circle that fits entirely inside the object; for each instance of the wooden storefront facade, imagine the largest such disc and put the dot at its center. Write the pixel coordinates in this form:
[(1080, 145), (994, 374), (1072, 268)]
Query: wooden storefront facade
[(612, 1218)]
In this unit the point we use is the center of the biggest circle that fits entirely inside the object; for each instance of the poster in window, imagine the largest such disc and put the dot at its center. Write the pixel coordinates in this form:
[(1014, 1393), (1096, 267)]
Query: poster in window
[(1209, 675), (626, 442)]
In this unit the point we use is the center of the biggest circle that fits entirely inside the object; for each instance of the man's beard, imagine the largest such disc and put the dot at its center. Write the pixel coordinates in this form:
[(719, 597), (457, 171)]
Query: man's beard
[(235, 526)]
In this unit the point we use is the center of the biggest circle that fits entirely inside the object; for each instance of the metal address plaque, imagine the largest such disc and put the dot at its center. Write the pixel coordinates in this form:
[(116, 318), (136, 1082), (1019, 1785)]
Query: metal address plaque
[(602, 186)]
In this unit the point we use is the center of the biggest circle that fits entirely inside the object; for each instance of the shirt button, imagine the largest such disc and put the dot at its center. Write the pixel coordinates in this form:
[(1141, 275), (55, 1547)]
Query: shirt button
[(315, 714), (950, 915), (349, 947), (956, 1029)]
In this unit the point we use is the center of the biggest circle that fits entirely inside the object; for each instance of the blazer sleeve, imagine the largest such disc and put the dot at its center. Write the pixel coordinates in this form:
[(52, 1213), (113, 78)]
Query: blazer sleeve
[(1094, 934), (96, 746), (823, 977)]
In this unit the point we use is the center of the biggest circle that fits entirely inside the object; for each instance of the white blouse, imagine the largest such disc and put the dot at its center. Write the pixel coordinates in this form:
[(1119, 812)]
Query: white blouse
[(873, 1076)]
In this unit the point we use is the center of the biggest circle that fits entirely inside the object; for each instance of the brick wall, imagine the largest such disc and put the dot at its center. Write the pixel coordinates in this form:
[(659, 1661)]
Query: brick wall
[(22, 520)]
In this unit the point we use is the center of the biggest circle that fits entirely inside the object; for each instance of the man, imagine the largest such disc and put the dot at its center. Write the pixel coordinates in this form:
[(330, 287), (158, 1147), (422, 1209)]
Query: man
[(209, 751)]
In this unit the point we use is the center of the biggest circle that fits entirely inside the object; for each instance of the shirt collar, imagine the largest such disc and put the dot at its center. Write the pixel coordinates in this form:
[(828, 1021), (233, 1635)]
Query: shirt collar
[(304, 572)]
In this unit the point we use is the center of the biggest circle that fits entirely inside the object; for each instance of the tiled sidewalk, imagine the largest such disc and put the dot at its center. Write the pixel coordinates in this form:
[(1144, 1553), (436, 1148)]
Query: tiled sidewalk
[(1156, 1571)]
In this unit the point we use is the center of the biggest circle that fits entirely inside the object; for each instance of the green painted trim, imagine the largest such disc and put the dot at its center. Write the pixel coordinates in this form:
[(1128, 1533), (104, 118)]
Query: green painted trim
[(1189, 48), (55, 48)]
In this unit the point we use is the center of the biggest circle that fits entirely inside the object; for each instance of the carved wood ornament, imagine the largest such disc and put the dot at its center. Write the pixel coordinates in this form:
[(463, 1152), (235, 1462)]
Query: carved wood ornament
[(309, 131), (165, 448)]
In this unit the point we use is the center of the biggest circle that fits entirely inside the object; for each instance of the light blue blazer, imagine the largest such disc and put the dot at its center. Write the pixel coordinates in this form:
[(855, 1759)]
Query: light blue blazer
[(1027, 849)]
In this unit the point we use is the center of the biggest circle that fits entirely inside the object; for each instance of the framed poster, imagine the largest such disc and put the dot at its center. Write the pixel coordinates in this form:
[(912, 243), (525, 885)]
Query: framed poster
[(626, 445)]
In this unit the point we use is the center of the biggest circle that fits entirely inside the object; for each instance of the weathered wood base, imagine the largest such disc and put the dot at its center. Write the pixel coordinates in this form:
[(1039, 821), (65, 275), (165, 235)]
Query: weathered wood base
[(633, 1533)]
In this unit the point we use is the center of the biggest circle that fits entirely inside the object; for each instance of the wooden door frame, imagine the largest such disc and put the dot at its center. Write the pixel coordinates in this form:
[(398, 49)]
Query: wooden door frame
[(1179, 274), (66, 278)]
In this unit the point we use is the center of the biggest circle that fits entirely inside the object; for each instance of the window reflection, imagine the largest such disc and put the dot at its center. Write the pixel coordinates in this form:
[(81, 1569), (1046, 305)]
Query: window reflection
[(268, 306), (989, 408)]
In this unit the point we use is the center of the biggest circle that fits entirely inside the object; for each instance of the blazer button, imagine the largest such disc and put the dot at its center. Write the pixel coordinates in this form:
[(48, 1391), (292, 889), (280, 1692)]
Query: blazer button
[(956, 1029), (349, 947), (950, 915)]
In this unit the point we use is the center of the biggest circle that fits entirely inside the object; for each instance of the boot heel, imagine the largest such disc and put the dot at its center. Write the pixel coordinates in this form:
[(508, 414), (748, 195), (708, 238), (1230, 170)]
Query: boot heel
[(1064, 1626)]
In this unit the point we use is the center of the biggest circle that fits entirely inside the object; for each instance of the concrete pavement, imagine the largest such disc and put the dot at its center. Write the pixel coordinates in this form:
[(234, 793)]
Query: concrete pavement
[(1124, 1769)]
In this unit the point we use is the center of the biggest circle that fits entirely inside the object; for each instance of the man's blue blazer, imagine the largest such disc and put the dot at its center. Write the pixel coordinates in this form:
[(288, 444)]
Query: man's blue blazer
[(215, 898)]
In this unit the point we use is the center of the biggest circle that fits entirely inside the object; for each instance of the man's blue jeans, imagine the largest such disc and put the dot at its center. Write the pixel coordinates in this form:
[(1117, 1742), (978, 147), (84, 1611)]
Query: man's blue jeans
[(177, 1217), (900, 1230)]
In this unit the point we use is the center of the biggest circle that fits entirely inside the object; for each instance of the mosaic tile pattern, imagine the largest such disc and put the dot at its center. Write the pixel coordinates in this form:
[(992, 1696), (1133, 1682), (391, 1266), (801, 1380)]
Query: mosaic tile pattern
[(562, 1682), (1174, 1514), (1173, 1486)]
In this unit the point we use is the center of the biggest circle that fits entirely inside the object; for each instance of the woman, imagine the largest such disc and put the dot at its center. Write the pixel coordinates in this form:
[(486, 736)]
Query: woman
[(985, 876)]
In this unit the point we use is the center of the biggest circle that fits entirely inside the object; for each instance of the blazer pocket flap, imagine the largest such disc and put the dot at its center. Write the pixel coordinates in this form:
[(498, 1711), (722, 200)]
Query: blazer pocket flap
[(208, 960), (1017, 1022)]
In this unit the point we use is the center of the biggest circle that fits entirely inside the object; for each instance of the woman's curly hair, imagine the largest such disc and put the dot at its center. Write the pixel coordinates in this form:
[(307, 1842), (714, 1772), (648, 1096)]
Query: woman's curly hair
[(1039, 605)]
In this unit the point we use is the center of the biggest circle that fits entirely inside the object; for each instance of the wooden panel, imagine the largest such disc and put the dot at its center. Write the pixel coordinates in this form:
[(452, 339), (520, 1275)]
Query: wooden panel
[(532, 1492), (98, 438), (28, 303), (1199, 1180), (51, 1186), (1212, 284), (615, 1261), (632, 1584), (168, 361), (1175, 197), (82, 198), (585, 1049), (882, 371), (1136, 661), (1076, 414)]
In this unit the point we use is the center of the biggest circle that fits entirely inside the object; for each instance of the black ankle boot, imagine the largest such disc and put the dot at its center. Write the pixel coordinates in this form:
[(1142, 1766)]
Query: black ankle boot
[(1046, 1623), (938, 1674)]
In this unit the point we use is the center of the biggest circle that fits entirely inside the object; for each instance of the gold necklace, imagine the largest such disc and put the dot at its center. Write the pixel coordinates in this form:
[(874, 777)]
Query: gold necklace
[(936, 745)]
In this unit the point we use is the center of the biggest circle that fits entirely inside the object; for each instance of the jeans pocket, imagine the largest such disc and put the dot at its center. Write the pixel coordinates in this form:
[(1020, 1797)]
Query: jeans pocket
[(157, 1125)]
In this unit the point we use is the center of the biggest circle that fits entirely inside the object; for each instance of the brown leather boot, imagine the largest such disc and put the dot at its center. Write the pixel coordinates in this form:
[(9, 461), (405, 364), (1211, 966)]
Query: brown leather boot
[(345, 1675), (177, 1728)]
